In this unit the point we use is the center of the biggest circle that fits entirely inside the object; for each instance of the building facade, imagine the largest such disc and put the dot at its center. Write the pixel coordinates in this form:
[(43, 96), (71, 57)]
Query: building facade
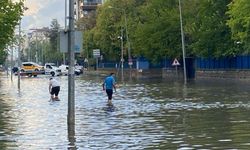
[(84, 7)]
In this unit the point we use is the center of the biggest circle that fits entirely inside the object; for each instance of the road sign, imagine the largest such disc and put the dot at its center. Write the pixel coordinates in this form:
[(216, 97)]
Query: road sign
[(96, 53), (175, 62)]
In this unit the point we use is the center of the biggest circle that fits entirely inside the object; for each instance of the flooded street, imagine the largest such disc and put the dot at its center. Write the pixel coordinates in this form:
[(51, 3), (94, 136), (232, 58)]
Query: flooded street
[(147, 114)]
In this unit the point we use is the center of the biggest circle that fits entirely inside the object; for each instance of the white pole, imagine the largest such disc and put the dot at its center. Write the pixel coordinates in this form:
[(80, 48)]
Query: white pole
[(122, 59), (183, 45)]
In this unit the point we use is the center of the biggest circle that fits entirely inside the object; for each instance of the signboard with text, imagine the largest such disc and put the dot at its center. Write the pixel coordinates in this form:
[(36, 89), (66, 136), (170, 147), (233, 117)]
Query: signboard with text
[(96, 53)]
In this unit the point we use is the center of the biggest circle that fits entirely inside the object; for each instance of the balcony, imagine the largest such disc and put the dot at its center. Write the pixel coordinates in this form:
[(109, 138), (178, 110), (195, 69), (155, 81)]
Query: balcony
[(88, 6)]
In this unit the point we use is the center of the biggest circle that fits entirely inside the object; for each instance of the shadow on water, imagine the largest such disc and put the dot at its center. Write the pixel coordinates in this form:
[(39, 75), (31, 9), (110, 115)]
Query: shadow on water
[(146, 114)]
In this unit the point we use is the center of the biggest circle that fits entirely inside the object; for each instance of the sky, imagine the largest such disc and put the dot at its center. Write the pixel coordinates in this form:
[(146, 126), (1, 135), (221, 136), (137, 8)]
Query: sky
[(41, 12)]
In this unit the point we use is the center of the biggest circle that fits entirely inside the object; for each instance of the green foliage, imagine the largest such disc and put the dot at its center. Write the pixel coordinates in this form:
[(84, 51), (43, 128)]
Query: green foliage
[(210, 35), (211, 28), (157, 33), (53, 34), (52, 53), (3, 55), (239, 23), (87, 22), (10, 14)]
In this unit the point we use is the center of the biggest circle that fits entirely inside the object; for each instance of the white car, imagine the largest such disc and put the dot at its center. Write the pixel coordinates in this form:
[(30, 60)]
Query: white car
[(65, 70), (79, 67), (52, 69)]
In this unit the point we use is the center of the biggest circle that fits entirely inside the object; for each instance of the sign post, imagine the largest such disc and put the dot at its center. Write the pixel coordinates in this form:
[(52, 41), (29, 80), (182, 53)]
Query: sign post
[(96, 54), (176, 64)]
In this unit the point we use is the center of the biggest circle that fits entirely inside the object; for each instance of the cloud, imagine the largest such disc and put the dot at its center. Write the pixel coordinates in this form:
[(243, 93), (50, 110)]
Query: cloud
[(41, 12)]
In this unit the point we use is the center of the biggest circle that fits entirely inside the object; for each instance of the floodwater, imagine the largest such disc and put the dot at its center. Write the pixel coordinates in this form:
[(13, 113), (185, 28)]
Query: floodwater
[(146, 114)]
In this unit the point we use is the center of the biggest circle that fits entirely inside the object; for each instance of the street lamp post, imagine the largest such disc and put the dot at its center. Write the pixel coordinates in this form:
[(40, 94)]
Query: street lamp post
[(65, 28), (128, 41), (183, 45), (71, 73), (36, 49), (19, 55), (11, 64), (122, 57), (29, 50)]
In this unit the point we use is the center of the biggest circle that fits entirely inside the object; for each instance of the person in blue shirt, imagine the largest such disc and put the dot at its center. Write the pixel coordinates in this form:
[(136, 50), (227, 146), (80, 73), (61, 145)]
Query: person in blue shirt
[(109, 85)]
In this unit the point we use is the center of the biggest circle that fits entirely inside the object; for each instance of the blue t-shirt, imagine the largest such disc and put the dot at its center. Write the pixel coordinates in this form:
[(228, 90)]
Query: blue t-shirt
[(109, 82)]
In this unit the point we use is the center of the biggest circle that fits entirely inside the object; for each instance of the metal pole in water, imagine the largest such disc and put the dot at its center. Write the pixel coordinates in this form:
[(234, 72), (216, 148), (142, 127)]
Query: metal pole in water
[(71, 73), (11, 64), (19, 55), (183, 45), (65, 28), (122, 59)]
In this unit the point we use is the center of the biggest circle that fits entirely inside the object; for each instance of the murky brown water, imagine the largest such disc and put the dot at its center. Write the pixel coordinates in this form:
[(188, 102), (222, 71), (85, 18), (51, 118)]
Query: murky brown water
[(147, 114)]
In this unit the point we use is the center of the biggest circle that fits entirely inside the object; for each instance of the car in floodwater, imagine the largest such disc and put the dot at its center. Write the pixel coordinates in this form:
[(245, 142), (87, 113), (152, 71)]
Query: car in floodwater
[(31, 66), (65, 70), (52, 69)]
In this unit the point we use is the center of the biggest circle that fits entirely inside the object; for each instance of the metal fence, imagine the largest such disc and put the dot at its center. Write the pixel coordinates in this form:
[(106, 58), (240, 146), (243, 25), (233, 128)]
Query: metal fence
[(225, 63), (238, 62)]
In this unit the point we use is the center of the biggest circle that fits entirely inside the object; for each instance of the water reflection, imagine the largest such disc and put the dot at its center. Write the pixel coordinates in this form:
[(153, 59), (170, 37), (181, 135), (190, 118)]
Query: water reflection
[(146, 114), (71, 136)]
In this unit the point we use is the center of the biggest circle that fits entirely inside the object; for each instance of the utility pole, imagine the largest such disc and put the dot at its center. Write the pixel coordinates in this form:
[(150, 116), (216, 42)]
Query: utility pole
[(183, 45), (130, 63), (36, 48), (11, 64), (19, 55), (71, 73), (29, 55), (65, 28), (122, 59)]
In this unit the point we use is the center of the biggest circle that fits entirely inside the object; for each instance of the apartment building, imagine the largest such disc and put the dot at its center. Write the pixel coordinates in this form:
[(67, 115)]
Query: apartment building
[(83, 7)]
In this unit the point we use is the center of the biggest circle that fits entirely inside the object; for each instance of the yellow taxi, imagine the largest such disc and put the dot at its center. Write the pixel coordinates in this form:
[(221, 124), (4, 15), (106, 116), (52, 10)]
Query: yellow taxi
[(31, 66)]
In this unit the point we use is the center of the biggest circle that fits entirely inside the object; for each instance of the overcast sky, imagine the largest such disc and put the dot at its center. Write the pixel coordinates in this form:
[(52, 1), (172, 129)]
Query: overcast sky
[(41, 12)]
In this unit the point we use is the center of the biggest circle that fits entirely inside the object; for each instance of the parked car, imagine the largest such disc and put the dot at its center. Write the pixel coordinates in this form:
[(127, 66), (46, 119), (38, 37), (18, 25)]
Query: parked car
[(52, 69), (31, 66), (79, 67), (65, 70)]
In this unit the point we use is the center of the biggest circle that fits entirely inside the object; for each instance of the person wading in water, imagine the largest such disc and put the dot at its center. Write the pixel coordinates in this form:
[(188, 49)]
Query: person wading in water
[(109, 85)]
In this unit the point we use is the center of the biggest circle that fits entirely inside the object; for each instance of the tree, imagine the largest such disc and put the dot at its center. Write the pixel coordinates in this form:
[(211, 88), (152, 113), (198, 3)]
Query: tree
[(209, 34), (53, 35), (157, 33), (239, 23), (10, 14), (87, 22), (154, 29), (110, 25)]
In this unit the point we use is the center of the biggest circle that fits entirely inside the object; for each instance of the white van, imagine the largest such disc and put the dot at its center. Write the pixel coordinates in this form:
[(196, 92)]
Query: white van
[(52, 69)]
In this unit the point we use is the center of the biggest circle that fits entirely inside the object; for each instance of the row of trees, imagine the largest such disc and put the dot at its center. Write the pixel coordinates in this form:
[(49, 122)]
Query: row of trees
[(212, 28), (45, 43), (10, 13), (46, 48)]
